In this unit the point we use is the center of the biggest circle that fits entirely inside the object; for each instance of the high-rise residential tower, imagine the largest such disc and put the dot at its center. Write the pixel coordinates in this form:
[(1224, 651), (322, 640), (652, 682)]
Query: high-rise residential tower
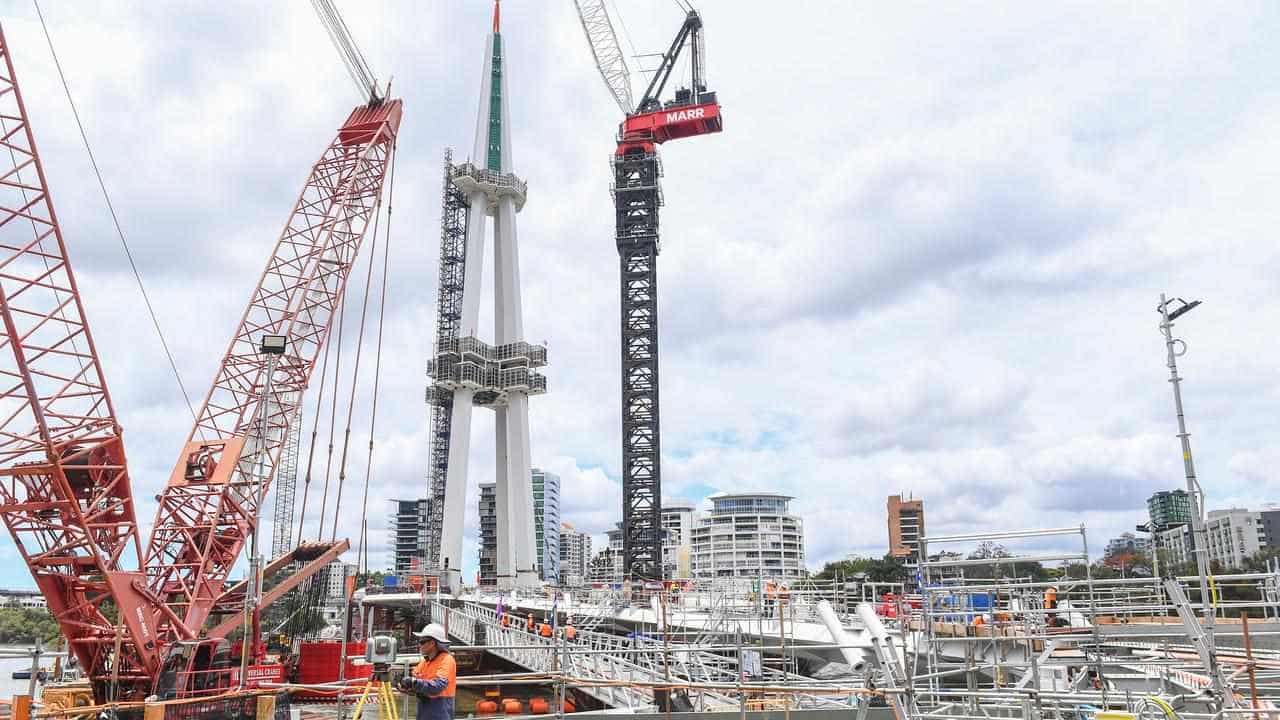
[(488, 568), (409, 535), (906, 526), (546, 518), (575, 556), (467, 371), (1169, 508), (749, 535)]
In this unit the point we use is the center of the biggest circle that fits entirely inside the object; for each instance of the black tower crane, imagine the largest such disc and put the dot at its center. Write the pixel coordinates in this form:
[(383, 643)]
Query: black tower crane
[(637, 195)]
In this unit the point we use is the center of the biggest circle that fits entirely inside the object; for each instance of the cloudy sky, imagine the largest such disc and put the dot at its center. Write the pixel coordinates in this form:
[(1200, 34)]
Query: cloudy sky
[(923, 256)]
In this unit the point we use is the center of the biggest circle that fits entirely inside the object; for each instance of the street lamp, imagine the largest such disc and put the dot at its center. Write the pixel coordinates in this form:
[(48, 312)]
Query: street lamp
[(1170, 309), (275, 345), (272, 347)]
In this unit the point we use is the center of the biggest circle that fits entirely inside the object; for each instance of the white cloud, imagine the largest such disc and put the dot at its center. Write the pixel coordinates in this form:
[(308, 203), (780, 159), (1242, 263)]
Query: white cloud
[(922, 256)]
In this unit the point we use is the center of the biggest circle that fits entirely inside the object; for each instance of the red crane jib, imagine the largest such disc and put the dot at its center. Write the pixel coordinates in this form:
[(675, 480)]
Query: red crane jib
[(647, 129), (209, 506)]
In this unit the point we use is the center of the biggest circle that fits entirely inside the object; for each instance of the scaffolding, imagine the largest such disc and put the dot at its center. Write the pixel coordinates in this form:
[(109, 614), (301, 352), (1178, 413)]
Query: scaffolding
[(286, 483), (492, 372), (967, 647), (453, 261)]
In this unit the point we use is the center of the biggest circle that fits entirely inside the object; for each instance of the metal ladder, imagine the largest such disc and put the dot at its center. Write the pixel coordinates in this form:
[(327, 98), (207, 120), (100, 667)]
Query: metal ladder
[(1200, 641)]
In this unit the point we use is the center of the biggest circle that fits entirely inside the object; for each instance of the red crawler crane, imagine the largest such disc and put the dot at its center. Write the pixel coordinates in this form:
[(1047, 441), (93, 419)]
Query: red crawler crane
[(64, 484)]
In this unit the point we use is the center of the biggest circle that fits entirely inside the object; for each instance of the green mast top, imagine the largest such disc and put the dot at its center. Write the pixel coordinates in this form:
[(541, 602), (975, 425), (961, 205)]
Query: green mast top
[(494, 160)]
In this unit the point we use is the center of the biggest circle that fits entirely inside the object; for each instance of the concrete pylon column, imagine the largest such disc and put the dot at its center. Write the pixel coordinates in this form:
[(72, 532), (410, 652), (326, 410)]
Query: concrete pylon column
[(503, 375), (514, 461), (455, 493)]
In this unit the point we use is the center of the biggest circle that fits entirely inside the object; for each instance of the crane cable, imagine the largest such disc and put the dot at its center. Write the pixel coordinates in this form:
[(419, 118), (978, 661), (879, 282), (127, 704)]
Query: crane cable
[(362, 552), (355, 370), (352, 58), (315, 428), (93, 162), (333, 413)]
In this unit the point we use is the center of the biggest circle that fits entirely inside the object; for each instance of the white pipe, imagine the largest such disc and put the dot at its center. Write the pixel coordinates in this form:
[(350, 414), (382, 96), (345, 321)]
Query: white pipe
[(855, 657), (871, 621)]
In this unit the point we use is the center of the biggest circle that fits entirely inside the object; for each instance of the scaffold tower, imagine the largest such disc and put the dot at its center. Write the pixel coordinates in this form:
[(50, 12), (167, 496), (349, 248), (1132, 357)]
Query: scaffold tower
[(453, 263), (282, 539)]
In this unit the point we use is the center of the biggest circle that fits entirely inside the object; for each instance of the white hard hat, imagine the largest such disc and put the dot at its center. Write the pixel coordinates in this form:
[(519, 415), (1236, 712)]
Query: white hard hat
[(433, 631)]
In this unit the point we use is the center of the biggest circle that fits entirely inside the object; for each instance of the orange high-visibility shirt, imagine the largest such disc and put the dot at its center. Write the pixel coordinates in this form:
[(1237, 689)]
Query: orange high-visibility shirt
[(441, 667)]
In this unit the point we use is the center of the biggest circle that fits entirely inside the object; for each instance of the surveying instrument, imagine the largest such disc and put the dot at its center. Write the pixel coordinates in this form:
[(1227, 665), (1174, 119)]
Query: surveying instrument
[(380, 651)]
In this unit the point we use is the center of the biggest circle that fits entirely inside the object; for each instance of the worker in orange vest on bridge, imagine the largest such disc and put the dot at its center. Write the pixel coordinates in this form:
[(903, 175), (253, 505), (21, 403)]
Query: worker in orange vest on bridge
[(544, 628), (528, 623), (570, 632)]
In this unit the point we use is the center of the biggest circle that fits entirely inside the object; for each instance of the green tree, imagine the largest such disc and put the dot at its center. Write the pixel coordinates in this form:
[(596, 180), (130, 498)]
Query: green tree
[(846, 568), (888, 569), (1257, 562), (23, 626)]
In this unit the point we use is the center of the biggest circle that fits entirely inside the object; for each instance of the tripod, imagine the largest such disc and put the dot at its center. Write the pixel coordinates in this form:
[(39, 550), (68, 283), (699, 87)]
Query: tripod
[(380, 688)]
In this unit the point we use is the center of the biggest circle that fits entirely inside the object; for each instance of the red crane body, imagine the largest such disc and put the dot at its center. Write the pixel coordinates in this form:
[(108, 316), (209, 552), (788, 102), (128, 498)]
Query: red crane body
[(65, 493), (670, 123)]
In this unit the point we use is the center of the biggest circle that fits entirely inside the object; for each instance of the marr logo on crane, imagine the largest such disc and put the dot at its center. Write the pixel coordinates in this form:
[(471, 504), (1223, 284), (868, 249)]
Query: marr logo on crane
[(679, 115)]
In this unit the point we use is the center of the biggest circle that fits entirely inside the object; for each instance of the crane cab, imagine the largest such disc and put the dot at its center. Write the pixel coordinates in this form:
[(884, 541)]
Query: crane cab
[(195, 668)]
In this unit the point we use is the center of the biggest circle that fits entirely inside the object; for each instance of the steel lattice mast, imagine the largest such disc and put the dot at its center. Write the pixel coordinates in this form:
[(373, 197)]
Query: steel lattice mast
[(453, 263), (209, 506), (637, 197), (64, 482), (286, 489)]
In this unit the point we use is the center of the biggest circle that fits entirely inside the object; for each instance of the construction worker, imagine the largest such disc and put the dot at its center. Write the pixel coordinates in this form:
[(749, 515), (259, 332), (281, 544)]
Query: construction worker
[(1051, 605), (505, 620), (528, 623), (434, 680), (570, 633), (770, 593), (544, 629)]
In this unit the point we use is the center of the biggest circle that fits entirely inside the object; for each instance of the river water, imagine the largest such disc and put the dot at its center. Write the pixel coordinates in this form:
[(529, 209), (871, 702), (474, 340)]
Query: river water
[(8, 686)]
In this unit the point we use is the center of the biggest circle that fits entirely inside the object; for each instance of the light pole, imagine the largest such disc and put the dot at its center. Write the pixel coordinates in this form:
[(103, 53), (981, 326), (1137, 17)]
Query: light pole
[(1170, 310), (272, 347)]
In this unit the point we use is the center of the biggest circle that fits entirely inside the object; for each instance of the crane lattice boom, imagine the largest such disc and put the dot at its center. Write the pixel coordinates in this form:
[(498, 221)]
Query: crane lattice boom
[(606, 50), (210, 505), (64, 483)]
